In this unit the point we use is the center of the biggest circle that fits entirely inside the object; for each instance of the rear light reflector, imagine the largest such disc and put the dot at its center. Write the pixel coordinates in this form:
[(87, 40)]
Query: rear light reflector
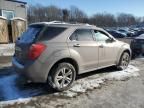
[(36, 50)]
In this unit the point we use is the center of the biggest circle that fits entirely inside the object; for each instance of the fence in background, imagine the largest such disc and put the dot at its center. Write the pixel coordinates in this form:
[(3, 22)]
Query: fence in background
[(18, 27), (10, 30), (4, 37)]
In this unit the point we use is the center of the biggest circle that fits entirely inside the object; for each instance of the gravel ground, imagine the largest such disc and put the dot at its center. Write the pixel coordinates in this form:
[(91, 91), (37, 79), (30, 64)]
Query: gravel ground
[(100, 89)]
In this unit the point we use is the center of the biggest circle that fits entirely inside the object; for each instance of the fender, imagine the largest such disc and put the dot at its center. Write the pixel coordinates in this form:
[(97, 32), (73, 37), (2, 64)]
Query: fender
[(124, 47)]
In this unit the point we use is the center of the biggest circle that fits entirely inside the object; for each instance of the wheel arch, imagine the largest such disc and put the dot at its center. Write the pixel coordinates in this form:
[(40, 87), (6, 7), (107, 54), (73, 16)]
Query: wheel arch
[(125, 50), (67, 60)]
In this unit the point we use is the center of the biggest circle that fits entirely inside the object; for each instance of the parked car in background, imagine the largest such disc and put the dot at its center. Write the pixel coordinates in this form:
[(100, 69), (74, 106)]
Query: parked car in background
[(126, 32), (137, 45), (116, 34), (138, 32), (57, 52)]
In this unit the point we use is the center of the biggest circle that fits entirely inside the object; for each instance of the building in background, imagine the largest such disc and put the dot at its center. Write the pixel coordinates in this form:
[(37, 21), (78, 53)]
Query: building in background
[(13, 8), (13, 20)]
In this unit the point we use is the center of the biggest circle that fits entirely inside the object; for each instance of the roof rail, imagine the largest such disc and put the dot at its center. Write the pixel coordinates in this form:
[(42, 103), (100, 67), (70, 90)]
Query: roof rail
[(67, 23), (62, 22), (56, 22)]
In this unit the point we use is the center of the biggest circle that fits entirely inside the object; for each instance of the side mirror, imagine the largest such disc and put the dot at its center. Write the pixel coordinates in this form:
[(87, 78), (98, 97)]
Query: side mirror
[(110, 40)]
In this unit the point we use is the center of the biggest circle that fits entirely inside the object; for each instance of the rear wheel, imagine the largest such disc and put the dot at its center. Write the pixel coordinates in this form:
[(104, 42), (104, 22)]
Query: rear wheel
[(62, 76), (124, 61)]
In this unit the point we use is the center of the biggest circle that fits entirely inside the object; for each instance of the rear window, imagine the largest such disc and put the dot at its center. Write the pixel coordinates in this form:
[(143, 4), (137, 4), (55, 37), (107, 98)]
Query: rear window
[(52, 32), (31, 33)]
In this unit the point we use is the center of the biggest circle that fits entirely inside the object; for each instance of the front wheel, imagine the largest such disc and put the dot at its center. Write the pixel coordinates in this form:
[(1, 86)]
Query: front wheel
[(124, 61), (62, 76)]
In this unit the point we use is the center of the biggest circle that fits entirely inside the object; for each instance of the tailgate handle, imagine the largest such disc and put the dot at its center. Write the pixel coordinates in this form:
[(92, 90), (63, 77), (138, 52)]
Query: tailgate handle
[(76, 45)]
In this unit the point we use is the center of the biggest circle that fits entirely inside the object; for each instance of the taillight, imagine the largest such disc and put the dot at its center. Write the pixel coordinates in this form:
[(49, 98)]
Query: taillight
[(36, 50)]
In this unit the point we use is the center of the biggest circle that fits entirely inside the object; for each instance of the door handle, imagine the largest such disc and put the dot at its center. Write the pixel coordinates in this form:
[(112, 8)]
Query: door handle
[(76, 45), (101, 46)]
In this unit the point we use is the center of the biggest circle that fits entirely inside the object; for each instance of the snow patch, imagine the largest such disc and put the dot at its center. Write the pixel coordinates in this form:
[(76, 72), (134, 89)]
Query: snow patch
[(70, 94), (88, 83), (141, 57), (131, 71), (81, 86), (7, 49), (84, 85), (18, 101), (18, 18), (5, 64), (3, 17)]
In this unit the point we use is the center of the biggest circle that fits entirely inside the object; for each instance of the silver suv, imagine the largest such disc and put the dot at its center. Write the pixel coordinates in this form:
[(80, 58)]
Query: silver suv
[(56, 53)]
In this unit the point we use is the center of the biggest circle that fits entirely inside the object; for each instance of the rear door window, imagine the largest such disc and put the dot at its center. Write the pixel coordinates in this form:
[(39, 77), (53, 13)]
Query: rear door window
[(31, 33), (52, 32)]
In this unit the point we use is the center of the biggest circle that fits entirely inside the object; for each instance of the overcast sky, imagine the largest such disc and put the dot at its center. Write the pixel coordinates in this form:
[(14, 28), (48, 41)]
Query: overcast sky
[(135, 7)]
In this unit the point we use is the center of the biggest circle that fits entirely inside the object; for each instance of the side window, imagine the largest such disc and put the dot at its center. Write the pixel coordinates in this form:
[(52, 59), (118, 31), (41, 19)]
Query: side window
[(73, 37), (82, 35), (100, 36), (52, 32)]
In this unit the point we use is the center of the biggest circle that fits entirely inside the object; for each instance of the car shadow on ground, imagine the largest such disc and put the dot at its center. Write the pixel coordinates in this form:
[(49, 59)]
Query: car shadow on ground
[(99, 71), (13, 86)]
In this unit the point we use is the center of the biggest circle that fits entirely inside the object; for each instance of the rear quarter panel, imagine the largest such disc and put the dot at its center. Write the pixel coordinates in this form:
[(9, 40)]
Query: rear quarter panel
[(53, 53)]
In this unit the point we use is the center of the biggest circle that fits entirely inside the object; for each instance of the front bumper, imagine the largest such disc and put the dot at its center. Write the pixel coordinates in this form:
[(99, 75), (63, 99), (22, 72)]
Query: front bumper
[(33, 72)]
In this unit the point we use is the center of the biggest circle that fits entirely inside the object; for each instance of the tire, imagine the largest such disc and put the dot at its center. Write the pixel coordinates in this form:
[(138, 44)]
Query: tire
[(124, 61), (134, 55), (62, 76)]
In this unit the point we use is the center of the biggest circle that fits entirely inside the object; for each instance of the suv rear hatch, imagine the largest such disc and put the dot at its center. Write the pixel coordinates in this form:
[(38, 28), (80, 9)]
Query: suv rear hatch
[(24, 43)]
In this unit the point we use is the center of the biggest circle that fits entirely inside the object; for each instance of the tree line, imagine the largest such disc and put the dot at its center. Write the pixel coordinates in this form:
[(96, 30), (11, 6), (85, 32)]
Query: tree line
[(38, 13)]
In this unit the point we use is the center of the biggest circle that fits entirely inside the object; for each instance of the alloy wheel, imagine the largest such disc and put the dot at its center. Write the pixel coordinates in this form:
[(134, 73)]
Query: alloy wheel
[(125, 60), (63, 77)]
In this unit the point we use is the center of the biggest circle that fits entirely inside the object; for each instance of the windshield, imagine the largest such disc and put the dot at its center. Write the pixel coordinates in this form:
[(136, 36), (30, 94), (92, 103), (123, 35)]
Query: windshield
[(31, 34)]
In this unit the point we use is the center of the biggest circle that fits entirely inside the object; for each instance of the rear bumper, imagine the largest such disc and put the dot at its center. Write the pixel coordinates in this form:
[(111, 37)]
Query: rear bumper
[(17, 65), (33, 72)]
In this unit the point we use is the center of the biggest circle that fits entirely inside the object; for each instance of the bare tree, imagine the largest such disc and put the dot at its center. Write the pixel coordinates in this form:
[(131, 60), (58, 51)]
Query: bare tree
[(126, 19), (65, 15), (54, 13), (77, 15), (103, 20), (37, 13)]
